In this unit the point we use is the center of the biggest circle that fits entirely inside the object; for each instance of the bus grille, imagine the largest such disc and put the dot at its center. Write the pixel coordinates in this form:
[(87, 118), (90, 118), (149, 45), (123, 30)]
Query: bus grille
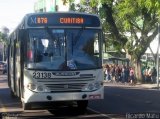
[(70, 87), (65, 84)]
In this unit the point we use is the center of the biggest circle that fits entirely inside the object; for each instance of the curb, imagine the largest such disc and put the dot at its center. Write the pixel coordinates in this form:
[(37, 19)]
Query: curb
[(137, 85), (149, 86)]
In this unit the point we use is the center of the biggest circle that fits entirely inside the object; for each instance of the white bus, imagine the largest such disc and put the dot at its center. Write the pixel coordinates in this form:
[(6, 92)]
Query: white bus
[(56, 58)]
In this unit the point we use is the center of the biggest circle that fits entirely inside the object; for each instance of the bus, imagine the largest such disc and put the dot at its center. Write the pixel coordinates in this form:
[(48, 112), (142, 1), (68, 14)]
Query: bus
[(56, 58)]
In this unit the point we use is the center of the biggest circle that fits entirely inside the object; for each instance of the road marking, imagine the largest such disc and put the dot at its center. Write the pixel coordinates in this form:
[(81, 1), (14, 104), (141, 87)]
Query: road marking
[(109, 116), (99, 113)]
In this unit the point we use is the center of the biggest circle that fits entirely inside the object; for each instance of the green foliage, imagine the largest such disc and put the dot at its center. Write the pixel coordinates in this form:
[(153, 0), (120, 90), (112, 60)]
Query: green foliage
[(132, 17), (124, 20), (109, 2), (123, 17), (3, 38), (94, 3)]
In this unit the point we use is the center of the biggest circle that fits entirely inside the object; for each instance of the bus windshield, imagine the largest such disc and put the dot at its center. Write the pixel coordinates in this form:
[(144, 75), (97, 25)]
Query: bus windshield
[(63, 49)]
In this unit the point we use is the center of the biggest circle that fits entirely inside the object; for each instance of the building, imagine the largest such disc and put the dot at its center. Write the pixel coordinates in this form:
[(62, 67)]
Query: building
[(50, 6)]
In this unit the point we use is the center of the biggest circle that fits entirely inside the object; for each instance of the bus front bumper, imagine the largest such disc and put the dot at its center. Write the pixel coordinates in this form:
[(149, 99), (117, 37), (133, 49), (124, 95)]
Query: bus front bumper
[(30, 96)]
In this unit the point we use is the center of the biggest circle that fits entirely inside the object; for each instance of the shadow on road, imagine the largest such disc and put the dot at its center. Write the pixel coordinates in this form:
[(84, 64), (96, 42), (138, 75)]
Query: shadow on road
[(6, 100), (11, 105), (63, 113)]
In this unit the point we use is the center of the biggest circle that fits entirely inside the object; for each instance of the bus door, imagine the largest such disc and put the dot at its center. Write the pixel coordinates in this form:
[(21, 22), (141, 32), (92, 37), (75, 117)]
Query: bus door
[(16, 66), (13, 67), (21, 48)]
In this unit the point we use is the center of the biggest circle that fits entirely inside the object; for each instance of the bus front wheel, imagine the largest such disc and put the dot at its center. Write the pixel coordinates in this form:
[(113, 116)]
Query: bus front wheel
[(82, 106)]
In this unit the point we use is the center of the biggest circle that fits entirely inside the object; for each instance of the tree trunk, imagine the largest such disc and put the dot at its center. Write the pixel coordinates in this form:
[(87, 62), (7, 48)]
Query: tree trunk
[(138, 73)]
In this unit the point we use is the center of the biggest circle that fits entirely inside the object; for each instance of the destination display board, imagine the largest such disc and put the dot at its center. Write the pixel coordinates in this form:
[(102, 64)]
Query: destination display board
[(63, 19)]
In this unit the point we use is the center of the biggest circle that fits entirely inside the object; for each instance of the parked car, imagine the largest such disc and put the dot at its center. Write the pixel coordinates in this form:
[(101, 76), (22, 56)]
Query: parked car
[(3, 67)]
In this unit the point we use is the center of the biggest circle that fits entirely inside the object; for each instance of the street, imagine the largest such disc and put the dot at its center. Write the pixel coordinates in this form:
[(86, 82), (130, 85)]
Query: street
[(119, 102), (10, 107)]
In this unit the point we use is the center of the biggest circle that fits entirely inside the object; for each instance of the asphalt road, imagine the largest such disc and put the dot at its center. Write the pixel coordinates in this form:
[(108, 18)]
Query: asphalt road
[(120, 102), (11, 108), (123, 100)]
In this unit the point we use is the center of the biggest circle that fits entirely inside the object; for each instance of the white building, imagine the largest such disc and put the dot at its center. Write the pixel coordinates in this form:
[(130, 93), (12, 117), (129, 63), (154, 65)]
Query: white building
[(50, 6), (154, 45)]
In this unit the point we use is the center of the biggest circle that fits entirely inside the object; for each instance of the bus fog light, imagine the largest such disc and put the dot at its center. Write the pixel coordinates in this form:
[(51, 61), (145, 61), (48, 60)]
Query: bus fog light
[(40, 88), (31, 86)]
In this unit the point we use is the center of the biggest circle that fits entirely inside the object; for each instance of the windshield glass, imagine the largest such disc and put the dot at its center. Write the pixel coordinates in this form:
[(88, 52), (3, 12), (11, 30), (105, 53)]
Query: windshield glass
[(63, 49)]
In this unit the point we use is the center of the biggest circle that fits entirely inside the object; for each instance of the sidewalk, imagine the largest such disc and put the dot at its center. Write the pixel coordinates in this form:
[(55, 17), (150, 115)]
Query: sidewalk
[(148, 86), (137, 85)]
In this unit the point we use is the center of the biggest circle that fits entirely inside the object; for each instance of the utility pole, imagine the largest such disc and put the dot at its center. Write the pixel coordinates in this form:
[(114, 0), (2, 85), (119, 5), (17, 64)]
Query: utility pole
[(158, 57)]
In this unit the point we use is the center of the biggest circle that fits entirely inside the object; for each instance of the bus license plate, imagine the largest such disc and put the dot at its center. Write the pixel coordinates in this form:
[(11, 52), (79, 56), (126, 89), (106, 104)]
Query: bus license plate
[(96, 96)]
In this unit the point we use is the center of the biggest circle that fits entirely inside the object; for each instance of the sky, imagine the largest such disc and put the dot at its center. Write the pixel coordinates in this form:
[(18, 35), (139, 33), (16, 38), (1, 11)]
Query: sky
[(13, 11)]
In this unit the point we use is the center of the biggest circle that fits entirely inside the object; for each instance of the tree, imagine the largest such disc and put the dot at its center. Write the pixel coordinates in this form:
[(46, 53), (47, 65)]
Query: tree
[(137, 18), (131, 25), (71, 3), (4, 40), (132, 17)]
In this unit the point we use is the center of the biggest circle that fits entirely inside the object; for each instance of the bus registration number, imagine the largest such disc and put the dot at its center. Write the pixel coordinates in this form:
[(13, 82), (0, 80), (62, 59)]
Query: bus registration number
[(42, 75)]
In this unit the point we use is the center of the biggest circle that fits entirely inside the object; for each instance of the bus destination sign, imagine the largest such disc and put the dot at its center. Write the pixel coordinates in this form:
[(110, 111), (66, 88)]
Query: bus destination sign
[(63, 20)]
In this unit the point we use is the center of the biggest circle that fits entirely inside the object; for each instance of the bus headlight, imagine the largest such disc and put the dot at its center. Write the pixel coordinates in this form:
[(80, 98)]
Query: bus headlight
[(40, 88), (31, 86), (37, 88), (92, 86), (97, 85)]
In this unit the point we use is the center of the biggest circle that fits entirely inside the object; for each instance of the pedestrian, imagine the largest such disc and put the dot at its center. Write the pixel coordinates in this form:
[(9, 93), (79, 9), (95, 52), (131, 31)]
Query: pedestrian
[(120, 73), (146, 75), (117, 73), (154, 75), (124, 74), (149, 74), (107, 73), (112, 72), (132, 77), (127, 74), (143, 73)]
